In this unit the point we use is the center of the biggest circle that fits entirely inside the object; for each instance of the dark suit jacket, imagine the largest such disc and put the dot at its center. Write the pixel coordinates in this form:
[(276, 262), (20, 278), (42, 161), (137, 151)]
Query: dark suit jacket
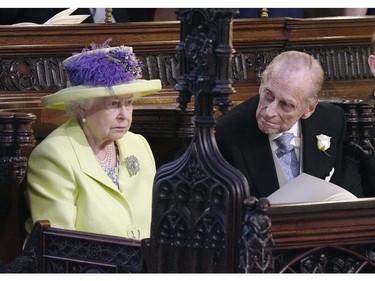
[(245, 147)]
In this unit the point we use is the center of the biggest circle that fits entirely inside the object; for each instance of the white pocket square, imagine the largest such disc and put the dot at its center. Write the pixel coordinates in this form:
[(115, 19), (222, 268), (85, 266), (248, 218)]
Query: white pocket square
[(328, 178)]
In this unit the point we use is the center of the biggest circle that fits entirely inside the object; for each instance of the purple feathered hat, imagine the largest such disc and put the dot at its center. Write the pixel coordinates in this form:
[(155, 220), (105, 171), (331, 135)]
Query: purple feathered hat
[(102, 71)]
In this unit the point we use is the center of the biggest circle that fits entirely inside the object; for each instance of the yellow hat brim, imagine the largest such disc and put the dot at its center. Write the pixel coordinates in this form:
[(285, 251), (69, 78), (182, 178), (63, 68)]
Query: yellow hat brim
[(137, 88)]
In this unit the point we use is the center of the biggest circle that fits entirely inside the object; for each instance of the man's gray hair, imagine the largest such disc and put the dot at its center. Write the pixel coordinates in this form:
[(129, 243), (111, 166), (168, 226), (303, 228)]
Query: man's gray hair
[(298, 62)]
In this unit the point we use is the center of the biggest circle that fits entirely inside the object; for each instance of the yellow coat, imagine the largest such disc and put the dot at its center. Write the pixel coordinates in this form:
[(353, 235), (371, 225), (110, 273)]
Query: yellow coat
[(68, 187)]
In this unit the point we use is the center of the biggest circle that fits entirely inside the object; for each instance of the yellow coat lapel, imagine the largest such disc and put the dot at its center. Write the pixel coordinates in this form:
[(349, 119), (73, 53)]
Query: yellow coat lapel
[(85, 156)]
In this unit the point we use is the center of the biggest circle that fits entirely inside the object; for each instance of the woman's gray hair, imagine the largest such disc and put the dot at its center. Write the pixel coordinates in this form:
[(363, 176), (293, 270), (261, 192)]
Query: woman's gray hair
[(71, 107)]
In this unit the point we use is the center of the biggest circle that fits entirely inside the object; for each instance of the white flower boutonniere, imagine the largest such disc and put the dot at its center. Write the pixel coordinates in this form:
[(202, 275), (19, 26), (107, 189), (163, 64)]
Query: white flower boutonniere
[(324, 142)]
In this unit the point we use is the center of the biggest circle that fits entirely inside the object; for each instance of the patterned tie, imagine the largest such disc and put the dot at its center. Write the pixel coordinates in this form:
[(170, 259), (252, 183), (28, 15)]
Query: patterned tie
[(287, 155)]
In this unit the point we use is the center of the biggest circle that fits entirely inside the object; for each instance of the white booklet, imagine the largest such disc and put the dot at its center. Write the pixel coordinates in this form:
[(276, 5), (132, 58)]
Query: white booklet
[(307, 188), (63, 17)]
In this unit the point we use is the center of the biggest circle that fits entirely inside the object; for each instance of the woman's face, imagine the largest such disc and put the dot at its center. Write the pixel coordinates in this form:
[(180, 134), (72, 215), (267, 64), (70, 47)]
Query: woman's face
[(109, 118)]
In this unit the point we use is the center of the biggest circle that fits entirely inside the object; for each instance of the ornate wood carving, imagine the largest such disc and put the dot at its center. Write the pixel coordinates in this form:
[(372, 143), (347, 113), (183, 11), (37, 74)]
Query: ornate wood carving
[(256, 241), (66, 251), (339, 63), (328, 259), (198, 198), (15, 134), (52, 250), (46, 73), (32, 74), (360, 121), (328, 237)]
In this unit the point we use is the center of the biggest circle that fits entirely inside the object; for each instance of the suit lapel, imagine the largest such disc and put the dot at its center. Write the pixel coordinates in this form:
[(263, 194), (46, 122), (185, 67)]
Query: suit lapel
[(258, 157), (315, 162)]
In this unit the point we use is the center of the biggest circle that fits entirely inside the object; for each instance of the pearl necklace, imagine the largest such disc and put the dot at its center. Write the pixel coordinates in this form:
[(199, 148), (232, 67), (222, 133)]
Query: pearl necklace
[(106, 164), (107, 161)]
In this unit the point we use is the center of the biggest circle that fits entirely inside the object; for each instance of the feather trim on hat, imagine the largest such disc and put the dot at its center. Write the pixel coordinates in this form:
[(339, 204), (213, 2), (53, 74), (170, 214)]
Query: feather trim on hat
[(103, 66)]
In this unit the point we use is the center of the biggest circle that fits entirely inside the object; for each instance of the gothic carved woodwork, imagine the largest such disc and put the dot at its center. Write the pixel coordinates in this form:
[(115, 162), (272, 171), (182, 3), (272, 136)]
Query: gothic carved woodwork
[(32, 74), (46, 73), (80, 254), (360, 122), (15, 134), (198, 198), (52, 250), (256, 240), (339, 63), (327, 259)]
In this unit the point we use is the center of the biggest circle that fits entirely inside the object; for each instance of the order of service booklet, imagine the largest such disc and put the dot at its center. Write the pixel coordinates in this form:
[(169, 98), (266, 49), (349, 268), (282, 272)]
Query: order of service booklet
[(307, 188), (63, 17)]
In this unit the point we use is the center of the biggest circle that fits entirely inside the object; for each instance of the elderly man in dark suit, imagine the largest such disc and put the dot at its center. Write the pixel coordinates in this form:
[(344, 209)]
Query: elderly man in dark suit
[(248, 136)]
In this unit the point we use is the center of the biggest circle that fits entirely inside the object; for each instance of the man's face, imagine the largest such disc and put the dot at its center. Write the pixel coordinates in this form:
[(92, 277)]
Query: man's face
[(283, 101)]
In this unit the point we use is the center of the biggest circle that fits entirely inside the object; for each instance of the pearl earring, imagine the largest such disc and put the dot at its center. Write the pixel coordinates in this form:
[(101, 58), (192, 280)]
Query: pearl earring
[(83, 120)]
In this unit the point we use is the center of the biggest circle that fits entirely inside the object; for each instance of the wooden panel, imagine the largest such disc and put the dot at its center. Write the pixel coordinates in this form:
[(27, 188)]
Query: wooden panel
[(155, 43), (313, 224), (324, 237)]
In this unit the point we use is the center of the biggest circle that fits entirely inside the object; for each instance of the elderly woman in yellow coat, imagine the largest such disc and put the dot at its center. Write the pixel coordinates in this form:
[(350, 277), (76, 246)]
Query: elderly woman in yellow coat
[(92, 174)]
